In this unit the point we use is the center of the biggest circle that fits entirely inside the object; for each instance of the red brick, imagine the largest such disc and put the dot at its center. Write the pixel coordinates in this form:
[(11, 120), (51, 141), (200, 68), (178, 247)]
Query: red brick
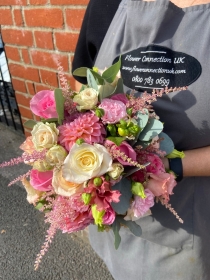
[(26, 73), (18, 37), (49, 78), (50, 60), (38, 2), (18, 17), (25, 56), (66, 41), (22, 100), (30, 88), (44, 40), (6, 16), (37, 118), (40, 87), (69, 2), (44, 17), (74, 18), (19, 85), (27, 133), (13, 2), (12, 53), (25, 112)]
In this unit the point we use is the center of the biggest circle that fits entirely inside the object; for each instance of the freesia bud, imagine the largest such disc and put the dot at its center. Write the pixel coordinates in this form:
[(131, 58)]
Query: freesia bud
[(80, 141), (99, 112), (138, 189), (86, 197), (112, 129), (97, 182), (97, 215)]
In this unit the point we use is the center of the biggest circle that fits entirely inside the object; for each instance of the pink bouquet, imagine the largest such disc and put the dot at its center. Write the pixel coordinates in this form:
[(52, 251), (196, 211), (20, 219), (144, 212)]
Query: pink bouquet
[(96, 156)]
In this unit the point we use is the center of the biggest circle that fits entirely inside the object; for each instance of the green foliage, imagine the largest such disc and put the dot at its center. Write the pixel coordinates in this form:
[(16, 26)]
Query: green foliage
[(110, 73), (91, 80), (166, 143), (152, 129), (116, 140), (30, 124), (59, 99)]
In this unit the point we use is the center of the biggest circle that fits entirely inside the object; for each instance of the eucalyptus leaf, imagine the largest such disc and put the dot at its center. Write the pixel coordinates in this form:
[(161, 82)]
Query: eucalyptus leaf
[(110, 73), (105, 91), (91, 80), (59, 99), (119, 88), (30, 123), (133, 226), (124, 187), (142, 118), (166, 143), (116, 229), (116, 140), (80, 72), (152, 129)]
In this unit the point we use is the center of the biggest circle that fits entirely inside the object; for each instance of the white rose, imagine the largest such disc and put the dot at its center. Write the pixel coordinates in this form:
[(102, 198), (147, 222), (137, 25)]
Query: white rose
[(32, 194), (86, 161), (63, 187), (117, 170), (86, 99), (44, 135), (56, 155)]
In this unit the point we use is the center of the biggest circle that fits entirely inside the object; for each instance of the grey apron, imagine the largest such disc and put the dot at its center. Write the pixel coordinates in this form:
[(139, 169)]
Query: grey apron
[(173, 45)]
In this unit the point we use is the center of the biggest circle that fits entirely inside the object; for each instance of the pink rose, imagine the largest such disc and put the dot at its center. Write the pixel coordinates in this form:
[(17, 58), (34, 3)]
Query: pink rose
[(109, 216), (41, 181), (114, 110), (141, 206), (161, 185), (43, 104), (120, 97), (156, 165), (124, 148)]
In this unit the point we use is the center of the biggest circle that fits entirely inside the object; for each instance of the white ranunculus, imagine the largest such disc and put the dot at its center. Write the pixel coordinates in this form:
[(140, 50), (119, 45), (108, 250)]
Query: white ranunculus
[(63, 187), (44, 136), (87, 99), (86, 161), (117, 170), (56, 155)]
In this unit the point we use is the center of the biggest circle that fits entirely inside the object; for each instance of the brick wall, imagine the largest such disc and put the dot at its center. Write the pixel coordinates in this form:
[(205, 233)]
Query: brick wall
[(38, 33)]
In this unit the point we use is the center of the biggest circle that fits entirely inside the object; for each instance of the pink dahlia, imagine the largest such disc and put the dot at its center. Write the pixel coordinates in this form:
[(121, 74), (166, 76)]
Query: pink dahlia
[(86, 126)]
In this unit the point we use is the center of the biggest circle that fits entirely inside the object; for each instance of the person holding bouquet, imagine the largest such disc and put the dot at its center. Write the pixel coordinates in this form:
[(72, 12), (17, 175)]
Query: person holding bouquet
[(163, 44)]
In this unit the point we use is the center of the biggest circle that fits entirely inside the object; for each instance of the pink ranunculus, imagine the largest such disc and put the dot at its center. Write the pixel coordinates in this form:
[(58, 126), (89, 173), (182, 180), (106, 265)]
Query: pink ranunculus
[(120, 97), (114, 110), (156, 165), (41, 181), (109, 216), (125, 148), (43, 104), (140, 206), (161, 185)]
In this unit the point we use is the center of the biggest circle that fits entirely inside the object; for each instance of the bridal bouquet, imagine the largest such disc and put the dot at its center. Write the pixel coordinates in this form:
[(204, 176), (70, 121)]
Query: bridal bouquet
[(95, 156)]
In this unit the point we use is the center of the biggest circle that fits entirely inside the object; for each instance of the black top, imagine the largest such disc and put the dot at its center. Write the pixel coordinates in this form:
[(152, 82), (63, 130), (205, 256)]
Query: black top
[(97, 19)]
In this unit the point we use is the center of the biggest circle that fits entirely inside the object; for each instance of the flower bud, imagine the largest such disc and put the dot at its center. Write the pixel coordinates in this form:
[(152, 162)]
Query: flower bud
[(97, 215), (86, 197), (99, 112), (80, 141), (56, 155), (129, 111), (176, 154), (123, 123), (138, 189), (112, 129), (134, 130), (97, 181), (123, 132), (117, 170)]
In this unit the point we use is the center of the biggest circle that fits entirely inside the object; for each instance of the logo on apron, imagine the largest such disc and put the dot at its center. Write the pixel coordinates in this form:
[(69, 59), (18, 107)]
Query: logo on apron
[(158, 67)]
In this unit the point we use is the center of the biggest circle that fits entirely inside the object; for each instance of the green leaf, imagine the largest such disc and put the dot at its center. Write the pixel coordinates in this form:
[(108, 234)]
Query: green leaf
[(82, 88), (30, 123), (116, 228), (50, 120), (116, 140), (142, 118), (105, 91), (91, 80), (119, 88), (98, 78), (80, 72), (166, 143), (133, 226), (110, 74), (152, 129), (124, 187), (59, 99)]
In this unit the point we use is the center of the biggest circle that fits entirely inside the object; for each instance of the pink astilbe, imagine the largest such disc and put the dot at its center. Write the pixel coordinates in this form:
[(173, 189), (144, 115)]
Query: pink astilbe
[(68, 214), (20, 178), (36, 155), (87, 127)]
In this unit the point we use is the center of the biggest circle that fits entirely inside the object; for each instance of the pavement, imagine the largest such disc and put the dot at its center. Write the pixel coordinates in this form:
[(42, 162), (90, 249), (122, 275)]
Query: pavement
[(22, 232)]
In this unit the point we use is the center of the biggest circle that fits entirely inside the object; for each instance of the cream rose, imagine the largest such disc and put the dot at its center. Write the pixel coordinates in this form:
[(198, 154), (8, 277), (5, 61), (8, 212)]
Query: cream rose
[(42, 165), (32, 194), (117, 170), (86, 99), (86, 161), (56, 155), (44, 135), (63, 187)]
